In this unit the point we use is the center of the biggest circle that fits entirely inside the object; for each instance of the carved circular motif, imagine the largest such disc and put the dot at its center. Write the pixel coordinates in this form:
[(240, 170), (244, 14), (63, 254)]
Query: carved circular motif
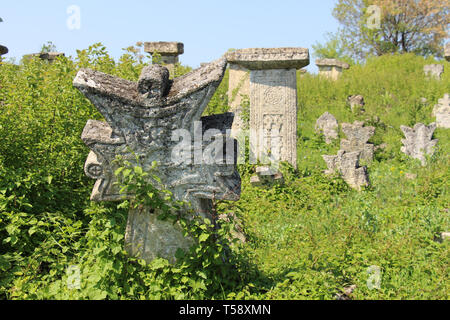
[(94, 171), (273, 95)]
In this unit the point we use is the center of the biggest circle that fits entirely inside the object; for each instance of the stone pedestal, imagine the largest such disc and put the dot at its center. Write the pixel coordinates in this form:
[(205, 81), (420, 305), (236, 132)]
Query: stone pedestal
[(169, 52), (273, 100), (331, 68)]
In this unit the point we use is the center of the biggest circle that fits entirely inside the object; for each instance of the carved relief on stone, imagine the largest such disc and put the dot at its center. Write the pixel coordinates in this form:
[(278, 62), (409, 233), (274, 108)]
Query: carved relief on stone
[(357, 137), (442, 112), (328, 126), (347, 165)]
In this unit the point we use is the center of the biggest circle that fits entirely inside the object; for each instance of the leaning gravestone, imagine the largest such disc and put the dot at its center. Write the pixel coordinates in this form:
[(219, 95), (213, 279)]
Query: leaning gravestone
[(434, 71), (273, 99), (357, 137), (331, 68), (418, 142), (328, 126), (169, 52), (356, 102), (347, 165), (147, 119), (442, 112)]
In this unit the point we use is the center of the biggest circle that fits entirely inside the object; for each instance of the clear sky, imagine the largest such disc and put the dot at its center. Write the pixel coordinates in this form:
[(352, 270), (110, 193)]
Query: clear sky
[(208, 28)]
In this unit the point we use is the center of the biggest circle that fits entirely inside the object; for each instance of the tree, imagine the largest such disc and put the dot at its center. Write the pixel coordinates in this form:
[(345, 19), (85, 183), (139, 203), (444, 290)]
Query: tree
[(377, 27), (332, 49)]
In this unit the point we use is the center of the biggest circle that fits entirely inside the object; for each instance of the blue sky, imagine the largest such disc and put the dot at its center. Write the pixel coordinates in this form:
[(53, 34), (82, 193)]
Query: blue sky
[(207, 28)]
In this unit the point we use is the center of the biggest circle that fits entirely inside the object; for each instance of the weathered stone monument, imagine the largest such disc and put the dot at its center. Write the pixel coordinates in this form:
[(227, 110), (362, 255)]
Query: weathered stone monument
[(356, 102), (447, 52), (442, 112), (434, 71), (357, 137), (331, 68), (169, 52), (273, 99), (328, 126), (347, 165), (418, 142), (3, 50), (146, 120), (266, 176)]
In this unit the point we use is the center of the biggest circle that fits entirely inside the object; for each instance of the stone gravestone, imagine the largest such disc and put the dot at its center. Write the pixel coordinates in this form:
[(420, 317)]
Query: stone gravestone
[(434, 71), (347, 165), (356, 102), (273, 100), (357, 137), (3, 50), (442, 112), (331, 68), (147, 119), (48, 56), (169, 52), (418, 142), (328, 126), (238, 88), (447, 52)]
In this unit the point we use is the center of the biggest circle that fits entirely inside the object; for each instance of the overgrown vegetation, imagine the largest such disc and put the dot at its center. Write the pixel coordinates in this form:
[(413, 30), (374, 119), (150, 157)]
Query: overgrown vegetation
[(307, 239)]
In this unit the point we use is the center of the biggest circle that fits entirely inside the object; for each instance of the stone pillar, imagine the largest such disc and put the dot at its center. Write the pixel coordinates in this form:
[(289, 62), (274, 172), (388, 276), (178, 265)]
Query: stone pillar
[(238, 87), (442, 112), (331, 68), (447, 51), (273, 99), (3, 50), (169, 52)]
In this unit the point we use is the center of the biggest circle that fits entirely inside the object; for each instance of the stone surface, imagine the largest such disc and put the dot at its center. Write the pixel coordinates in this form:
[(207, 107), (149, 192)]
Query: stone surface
[(356, 102), (238, 89), (434, 71), (3, 50), (331, 68), (418, 141), (270, 58), (273, 100), (169, 52), (328, 126), (141, 120), (447, 51), (357, 137), (442, 112), (347, 165)]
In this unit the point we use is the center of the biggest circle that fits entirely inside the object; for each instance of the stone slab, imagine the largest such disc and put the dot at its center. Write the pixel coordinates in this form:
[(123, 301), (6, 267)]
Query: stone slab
[(332, 63), (164, 48), (270, 58)]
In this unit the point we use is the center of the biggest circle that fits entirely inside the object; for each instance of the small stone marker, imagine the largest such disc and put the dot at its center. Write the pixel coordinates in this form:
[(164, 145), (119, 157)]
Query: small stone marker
[(169, 52), (347, 165), (434, 71), (447, 52), (357, 137), (266, 176), (328, 126), (48, 56), (3, 50), (356, 102), (273, 99), (418, 142), (147, 119), (331, 68), (442, 112)]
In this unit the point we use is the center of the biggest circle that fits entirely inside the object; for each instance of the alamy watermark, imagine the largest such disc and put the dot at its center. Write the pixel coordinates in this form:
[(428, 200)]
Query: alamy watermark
[(374, 280), (73, 22), (73, 278), (374, 19)]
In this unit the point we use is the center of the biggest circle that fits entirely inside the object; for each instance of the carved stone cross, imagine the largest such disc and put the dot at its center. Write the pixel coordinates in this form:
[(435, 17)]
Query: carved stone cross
[(147, 119), (419, 141)]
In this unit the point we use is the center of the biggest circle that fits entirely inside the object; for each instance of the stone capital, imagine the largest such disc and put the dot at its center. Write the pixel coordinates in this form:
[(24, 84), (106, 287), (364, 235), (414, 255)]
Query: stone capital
[(164, 48), (332, 63), (270, 58)]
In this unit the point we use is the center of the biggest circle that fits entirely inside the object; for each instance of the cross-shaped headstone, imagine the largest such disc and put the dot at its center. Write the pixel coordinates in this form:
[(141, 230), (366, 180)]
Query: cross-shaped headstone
[(442, 112), (357, 137), (419, 141), (147, 119)]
